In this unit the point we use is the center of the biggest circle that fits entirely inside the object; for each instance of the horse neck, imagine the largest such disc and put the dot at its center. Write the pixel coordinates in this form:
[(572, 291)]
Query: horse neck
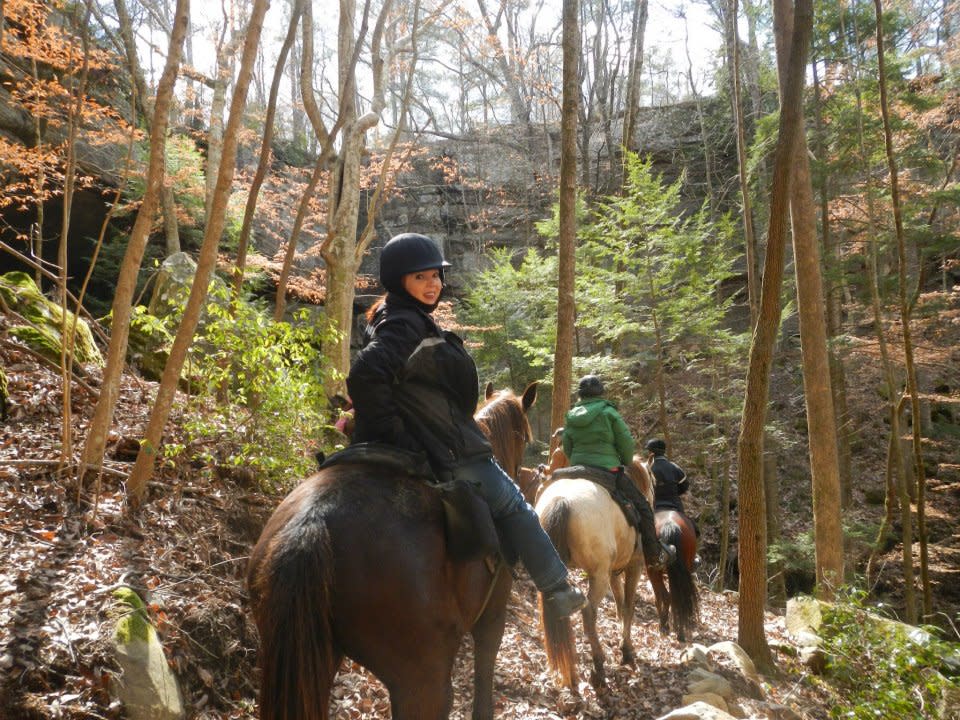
[(504, 423), (640, 475)]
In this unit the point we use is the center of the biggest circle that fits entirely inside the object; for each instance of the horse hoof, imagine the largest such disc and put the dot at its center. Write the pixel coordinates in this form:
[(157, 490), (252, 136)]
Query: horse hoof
[(598, 680), (629, 658)]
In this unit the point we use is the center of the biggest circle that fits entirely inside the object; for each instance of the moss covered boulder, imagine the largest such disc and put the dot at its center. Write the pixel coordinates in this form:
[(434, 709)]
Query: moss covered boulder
[(148, 344), (41, 325), (172, 287), (148, 688)]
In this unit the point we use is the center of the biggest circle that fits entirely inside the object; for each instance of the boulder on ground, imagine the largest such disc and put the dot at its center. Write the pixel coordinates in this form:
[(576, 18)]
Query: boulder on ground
[(42, 326), (148, 688)]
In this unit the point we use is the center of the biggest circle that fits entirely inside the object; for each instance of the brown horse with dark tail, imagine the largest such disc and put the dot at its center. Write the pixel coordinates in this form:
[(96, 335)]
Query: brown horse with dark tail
[(355, 563), (679, 596)]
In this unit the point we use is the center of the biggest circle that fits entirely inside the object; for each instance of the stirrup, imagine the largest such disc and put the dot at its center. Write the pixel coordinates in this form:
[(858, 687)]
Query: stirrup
[(564, 602), (666, 557)]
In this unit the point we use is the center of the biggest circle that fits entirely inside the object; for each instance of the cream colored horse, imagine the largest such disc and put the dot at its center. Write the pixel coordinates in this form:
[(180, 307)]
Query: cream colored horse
[(590, 532)]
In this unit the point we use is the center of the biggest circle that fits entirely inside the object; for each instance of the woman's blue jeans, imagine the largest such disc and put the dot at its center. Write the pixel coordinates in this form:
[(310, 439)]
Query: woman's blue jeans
[(517, 522)]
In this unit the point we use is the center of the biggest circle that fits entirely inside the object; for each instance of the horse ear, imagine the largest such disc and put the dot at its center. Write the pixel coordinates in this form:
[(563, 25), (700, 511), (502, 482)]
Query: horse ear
[(530, 395), (488, 391)]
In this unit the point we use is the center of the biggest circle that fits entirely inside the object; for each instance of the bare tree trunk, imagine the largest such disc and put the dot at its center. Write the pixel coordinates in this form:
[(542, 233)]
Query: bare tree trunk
[(632, 94), (896, 481), (753, 576), (340, 249), (751, 64), (93, 449), (832, 303), (223, 76), (325, 140), (507, 63), (67, 330), (771, 488), (264, 161), (167, 201), (704, 138), (36, 232), (206, 262), (725, 481), (566, 300), (343, 209), (749, 234), (905, 320), (818, 394)]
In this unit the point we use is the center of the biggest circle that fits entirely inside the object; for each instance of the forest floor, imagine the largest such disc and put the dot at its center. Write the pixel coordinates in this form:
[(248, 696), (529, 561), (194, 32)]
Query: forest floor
[(185, 551)]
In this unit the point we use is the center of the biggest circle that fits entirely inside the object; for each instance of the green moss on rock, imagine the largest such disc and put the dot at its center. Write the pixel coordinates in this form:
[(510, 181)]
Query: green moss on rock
[(133, 623), (45, 320), (149, 343)]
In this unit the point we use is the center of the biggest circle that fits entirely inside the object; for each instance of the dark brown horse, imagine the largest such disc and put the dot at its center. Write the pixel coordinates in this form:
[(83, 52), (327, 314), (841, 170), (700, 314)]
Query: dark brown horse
[(354, 562), (681, 596)]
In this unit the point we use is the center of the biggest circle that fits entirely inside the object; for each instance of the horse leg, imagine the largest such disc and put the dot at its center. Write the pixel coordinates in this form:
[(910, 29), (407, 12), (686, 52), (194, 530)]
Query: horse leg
[(423, 690), (662, 599), (616, 585), (631, 577), (487, 635), (428, 700), (598, 590)]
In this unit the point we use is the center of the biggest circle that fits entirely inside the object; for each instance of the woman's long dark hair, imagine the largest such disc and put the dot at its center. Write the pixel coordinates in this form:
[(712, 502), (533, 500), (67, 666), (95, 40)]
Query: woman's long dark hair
[(373, 308)]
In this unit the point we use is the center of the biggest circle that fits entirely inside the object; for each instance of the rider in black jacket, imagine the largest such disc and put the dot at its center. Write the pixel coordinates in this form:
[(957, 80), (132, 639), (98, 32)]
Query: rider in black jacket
[(670, 481), (415, 386)]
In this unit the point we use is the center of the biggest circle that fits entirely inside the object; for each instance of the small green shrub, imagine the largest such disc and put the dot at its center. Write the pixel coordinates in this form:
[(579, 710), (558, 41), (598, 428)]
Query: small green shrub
[(885, 669), (258, 398)]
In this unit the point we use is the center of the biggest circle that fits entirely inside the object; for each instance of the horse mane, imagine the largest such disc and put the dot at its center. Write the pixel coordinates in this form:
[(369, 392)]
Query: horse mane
[(638, 472), (503, 421)]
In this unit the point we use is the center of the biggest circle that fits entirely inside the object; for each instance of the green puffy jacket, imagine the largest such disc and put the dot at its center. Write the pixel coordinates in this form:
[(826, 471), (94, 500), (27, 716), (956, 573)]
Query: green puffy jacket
[(596, 435)]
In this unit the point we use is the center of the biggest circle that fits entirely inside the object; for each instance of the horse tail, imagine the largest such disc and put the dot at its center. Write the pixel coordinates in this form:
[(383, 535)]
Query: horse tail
[(684, 597), (560, 646), (292, 588), (558, 640), (555, 519)]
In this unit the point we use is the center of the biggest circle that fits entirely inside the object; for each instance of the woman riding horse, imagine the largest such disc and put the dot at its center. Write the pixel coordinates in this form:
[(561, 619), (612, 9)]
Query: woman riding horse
[(414, 385), (361, 560)]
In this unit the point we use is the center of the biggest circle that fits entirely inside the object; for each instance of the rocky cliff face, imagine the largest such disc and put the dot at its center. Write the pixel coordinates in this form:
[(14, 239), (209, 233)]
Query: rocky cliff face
[(490, 188)]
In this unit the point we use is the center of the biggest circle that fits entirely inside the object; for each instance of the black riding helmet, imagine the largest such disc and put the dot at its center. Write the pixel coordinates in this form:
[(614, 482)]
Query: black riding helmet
[(407, 253), (656, 446), (590, 386)]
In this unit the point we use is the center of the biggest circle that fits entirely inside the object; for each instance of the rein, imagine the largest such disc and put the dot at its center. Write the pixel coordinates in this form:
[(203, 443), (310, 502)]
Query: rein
[(494, 565)]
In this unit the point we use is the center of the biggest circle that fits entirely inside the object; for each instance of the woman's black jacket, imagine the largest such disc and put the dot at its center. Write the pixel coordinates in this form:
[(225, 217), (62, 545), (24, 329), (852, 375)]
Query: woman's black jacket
[(415, 386)]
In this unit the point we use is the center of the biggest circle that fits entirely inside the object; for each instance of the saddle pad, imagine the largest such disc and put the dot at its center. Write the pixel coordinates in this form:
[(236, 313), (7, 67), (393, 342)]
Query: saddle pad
[(468, 524), (407, 462), (604, 478)]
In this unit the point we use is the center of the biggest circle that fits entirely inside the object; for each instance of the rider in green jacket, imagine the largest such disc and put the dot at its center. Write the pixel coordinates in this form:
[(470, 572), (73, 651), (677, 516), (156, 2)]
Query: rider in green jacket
[(595, 434)]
